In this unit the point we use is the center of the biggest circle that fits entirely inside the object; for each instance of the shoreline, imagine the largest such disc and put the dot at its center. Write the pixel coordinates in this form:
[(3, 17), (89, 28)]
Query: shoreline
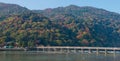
[(13, 49)]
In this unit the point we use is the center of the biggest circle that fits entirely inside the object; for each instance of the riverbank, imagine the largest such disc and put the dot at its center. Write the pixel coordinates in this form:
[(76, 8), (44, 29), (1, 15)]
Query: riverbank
[(13, 49)]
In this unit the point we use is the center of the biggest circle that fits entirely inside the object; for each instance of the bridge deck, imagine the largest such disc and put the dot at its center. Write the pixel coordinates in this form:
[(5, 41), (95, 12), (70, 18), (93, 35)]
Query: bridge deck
[(59, 49), (107, 48)]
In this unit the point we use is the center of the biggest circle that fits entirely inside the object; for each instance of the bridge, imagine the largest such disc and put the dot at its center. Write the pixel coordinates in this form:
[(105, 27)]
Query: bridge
[(59, 49)]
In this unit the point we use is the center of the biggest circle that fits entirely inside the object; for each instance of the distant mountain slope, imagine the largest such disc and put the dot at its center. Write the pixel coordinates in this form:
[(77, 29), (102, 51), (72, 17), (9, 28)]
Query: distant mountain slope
[(79, 11), (91, 25), (10, 9)]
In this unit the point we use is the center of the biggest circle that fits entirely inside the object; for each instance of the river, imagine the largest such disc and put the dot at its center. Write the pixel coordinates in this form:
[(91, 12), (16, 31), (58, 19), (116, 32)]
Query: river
[(38, 56)]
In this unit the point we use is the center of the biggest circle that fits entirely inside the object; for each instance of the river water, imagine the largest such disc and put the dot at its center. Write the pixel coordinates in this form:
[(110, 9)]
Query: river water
[(37, 56)]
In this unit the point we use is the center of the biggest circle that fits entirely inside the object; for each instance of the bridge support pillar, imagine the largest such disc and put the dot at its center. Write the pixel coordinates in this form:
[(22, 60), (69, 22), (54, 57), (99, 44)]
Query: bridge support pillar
[(48, 50), (114, 51), (68, 50), (43, 49), (90, 51), (74, 50), (106, 51), (61, 50), (97, 51), (55, 50), (82, 50)]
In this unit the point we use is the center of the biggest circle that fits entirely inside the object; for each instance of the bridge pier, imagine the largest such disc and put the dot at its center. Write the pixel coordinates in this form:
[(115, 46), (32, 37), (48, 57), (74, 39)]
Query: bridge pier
[(43, 50), (55, 50), (106, 51), (61, 50), (74, 50), (82, 50), (97, 51), (90, 51), (114, 51)]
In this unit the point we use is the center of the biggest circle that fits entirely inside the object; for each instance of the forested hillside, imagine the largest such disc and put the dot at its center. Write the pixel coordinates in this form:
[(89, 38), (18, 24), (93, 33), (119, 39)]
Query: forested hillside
[(34, 29), (62, 26), (91, 25)]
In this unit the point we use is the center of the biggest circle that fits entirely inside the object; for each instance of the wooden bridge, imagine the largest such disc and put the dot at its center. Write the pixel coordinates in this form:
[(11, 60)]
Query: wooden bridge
[(59, 49)]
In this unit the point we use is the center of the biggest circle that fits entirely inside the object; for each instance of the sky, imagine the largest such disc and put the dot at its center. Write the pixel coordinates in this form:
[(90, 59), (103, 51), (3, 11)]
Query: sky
[(110, 5)]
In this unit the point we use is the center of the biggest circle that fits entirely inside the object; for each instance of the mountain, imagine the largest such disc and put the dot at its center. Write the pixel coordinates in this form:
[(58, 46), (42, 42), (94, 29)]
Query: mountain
[(62, 26), (10, 9), (92, 26), (79, 11)]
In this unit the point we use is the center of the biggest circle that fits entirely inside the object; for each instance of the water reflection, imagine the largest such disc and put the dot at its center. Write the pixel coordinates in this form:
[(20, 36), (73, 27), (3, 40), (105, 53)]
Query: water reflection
[(37, 56)]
